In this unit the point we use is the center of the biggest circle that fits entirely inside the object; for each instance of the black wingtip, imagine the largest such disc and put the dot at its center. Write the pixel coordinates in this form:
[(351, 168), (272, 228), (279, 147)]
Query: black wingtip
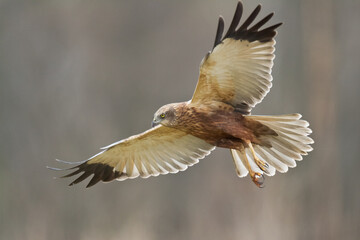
[(244, 32), (250, 19), (261, 22), (219, 31), (82, 177), (236, 19), (100, 172), (94, 180), (72, 173)]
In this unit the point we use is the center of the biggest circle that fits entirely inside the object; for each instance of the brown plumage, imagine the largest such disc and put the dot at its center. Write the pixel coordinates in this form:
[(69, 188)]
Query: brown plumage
[(234, 77)]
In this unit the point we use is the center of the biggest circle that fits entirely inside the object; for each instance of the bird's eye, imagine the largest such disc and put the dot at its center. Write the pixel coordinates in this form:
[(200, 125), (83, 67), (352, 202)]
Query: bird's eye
[(162, 115)]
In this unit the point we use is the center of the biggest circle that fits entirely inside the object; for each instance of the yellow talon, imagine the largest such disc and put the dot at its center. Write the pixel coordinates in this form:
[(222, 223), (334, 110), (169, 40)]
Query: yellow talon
[(261, 164)]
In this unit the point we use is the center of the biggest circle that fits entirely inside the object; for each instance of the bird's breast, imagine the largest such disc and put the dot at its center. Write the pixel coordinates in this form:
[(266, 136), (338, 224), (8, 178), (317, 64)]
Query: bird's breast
[(220, 126)]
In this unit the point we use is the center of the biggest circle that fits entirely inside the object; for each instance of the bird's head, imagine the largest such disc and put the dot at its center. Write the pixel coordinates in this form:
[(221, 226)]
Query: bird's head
[(166, 115)]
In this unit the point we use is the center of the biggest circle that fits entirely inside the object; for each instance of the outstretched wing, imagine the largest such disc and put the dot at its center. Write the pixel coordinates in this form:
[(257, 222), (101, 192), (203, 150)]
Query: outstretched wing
[(238, 70), (160, 150)]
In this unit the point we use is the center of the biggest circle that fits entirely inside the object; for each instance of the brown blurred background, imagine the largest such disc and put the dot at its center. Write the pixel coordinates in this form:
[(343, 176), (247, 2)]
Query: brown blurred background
[(79, 75)]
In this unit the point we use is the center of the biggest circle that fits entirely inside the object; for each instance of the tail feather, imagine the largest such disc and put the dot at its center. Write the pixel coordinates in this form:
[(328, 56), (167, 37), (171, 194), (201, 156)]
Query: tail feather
[(303, 139), (240, 164), (241, 170), (286, 149), (289, 145), (251, 161), (270, 170), (272, 159), (287, 160)]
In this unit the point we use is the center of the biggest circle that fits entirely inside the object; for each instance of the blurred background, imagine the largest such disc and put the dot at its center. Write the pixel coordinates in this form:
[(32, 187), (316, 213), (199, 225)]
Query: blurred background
[(79, 75)]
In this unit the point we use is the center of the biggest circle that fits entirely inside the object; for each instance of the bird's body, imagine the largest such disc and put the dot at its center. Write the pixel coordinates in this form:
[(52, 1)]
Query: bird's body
[(217, 123), (233, 78)]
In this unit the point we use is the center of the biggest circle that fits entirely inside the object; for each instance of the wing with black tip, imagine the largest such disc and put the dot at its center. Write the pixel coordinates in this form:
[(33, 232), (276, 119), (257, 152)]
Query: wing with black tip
[(160, 150), (238, 69)]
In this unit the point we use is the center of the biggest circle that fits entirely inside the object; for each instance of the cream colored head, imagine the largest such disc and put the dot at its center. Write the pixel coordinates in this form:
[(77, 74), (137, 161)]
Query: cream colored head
[(165, 115)]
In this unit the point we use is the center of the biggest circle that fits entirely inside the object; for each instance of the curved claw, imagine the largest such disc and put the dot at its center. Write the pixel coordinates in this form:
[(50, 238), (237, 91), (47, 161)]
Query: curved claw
[(258, 179), (264, 166)]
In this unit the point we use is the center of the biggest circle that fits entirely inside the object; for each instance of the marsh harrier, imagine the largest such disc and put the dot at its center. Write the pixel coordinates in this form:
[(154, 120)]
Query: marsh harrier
[(234, 76)]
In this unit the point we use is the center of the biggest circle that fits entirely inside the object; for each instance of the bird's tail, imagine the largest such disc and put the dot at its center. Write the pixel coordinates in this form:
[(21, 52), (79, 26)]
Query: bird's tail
[(290, 142)]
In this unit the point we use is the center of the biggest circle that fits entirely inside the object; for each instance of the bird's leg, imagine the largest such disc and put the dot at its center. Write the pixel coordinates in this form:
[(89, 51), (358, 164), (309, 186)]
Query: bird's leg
[(257, 178), (261, 164)]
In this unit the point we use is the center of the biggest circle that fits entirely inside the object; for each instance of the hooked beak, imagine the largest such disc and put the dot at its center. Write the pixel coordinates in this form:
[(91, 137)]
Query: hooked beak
[(153, 124)]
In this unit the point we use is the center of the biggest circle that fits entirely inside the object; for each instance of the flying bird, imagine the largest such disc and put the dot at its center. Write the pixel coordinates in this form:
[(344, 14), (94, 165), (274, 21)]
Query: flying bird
[(234, 76)]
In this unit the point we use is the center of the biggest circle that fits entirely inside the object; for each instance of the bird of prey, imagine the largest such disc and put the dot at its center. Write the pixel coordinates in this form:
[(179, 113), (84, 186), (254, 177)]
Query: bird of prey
[(234, 76)]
